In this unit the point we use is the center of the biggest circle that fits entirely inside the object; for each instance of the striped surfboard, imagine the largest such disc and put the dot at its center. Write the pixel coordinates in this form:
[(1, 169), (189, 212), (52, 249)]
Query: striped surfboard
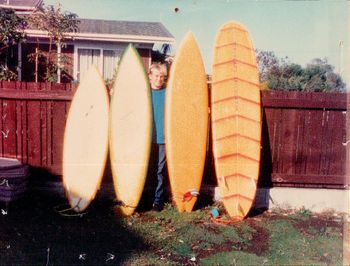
[(236, 118)]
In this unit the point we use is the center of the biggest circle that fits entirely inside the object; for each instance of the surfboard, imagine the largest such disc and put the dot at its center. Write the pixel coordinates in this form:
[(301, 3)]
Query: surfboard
[(85, 142), (186, 123), (130, 131), (235, 118)]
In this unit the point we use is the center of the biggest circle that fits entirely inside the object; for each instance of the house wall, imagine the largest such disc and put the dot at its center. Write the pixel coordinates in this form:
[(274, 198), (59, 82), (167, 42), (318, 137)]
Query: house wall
[(70, 52), (146, 56), (143, 49)]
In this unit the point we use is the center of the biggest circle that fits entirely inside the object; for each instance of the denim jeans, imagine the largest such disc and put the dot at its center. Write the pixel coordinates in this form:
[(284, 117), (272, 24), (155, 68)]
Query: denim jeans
[(158, 154)]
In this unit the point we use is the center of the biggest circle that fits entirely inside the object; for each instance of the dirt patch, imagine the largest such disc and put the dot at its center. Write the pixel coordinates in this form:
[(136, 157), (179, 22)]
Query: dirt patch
[(260, 239), (224, 247), (315, 226)]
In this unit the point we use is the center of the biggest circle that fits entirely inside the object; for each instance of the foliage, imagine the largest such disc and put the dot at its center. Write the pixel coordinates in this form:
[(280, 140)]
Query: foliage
[(11, 28), (161, 55), (7, 74), (51, 65), (57, 24), (11, 32), (302, 212), (281, 74)]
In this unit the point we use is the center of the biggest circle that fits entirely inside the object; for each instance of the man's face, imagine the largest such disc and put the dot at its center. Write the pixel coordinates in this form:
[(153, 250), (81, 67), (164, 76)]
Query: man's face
[(156, 79)]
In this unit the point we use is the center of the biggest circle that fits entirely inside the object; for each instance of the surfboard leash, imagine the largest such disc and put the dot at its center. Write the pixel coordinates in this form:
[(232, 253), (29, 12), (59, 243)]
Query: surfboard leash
[(67, 212), (222, 221), (120, 203)]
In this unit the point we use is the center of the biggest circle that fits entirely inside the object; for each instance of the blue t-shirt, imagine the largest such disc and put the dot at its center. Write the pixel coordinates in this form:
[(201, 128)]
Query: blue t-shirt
[(158, 101)]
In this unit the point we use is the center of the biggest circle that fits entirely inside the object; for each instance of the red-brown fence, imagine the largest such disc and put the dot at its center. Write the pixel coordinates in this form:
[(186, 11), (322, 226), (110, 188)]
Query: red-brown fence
[(32, 121), (305, 139), (304, 134)]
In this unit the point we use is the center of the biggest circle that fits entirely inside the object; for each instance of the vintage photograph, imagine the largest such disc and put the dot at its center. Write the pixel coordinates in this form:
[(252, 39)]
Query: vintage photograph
[(174, 132)]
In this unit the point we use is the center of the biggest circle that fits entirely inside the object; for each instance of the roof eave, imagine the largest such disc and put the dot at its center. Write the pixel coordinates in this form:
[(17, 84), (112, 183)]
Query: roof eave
[(24, 8), (106, 37), (18, 7)]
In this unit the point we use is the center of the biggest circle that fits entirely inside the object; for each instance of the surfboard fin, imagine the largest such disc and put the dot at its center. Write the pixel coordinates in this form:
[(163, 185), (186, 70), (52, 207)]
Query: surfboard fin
[(190, 194)]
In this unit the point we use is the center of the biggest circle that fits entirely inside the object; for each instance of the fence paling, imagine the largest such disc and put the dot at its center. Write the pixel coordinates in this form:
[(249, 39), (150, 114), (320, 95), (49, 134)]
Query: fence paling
[(303, 133)]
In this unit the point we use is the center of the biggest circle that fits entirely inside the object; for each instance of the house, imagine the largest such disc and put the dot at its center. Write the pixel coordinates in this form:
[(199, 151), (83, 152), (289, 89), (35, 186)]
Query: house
[(99, 42), (22, 7)]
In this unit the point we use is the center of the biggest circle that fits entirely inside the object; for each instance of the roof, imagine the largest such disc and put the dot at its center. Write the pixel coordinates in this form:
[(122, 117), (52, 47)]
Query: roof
[(123, 27), (21, 5), (115, 30)]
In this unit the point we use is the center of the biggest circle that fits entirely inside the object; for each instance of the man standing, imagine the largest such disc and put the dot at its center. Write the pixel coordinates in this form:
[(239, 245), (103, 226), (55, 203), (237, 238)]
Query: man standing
[(156, 76)]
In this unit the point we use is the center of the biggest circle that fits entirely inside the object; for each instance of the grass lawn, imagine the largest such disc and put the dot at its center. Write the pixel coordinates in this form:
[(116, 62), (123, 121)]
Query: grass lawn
[(33, 232)]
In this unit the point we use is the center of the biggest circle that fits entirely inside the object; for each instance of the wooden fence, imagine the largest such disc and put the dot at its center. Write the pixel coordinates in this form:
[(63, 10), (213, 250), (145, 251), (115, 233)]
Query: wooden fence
[(304, 134), (32, 122), (305, 139)]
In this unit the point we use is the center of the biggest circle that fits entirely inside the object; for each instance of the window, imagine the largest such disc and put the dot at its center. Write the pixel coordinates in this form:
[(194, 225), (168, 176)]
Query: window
[(105, 60), (110, 61), (87, 57)]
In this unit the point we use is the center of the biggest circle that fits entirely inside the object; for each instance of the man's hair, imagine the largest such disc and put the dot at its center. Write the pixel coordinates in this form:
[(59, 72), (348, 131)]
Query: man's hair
[(158, 66)]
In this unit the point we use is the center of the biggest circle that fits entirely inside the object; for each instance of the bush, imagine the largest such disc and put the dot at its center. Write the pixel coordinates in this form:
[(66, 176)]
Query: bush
[(7, 74)]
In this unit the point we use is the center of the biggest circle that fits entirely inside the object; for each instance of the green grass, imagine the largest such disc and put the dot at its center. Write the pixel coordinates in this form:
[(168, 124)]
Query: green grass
[(166, 238), (286, 243), (233, 258), (271, 238)]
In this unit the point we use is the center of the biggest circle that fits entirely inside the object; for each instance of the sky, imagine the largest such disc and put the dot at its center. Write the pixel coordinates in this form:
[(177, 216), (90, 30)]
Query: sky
[(299, 30)]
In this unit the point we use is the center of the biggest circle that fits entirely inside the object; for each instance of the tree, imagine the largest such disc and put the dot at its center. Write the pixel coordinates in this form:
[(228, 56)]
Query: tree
[(11, 33), (267, 63), (162, 55), (57, 24), (281, 74), (319, 76)]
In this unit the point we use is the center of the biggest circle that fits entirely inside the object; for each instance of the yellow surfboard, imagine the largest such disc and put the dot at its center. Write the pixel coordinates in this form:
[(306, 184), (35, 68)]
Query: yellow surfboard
[(186, 124), (130, 130), (236, 118), (86, 141)]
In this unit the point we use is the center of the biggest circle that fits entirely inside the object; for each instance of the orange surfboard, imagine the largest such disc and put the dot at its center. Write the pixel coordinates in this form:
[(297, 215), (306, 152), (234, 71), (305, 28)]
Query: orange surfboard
[(236, 118), (186, 124)]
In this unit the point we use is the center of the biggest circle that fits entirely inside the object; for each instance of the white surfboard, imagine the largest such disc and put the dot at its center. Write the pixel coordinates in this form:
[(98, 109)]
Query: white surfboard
[(130, 130), (86, 141)]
